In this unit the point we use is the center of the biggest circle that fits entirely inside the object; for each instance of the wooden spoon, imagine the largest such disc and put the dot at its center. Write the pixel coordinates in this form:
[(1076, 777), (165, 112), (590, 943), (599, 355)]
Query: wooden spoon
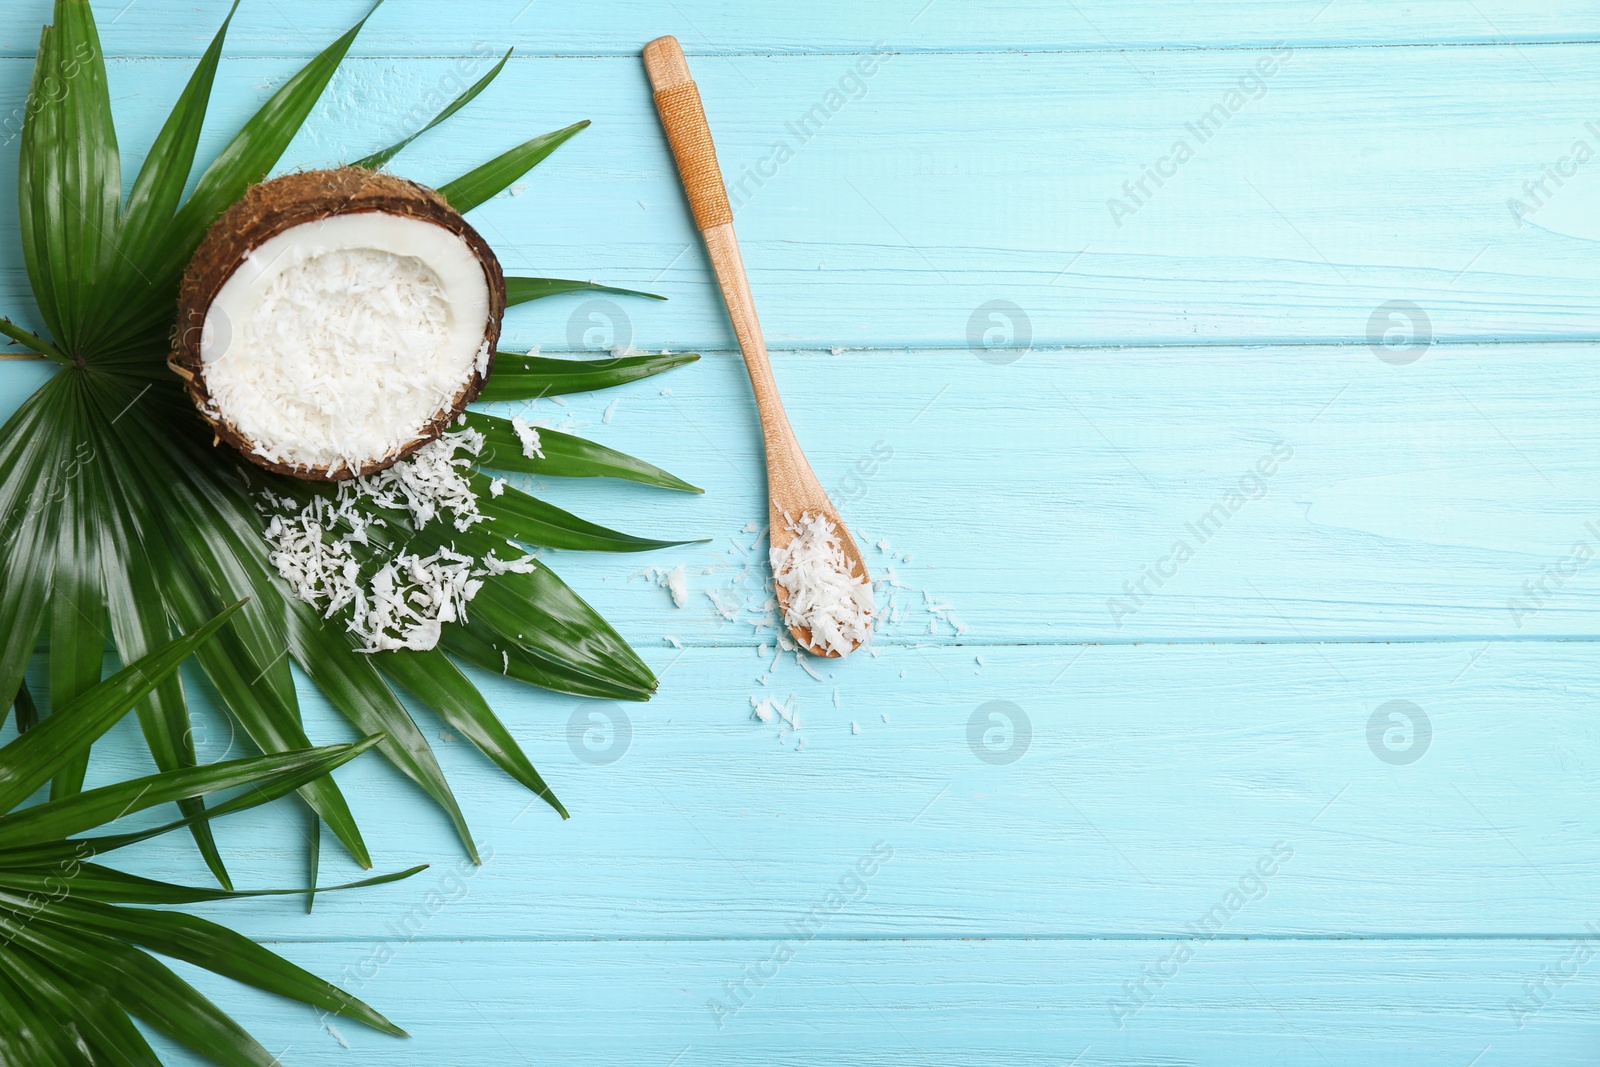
[(792, 489)]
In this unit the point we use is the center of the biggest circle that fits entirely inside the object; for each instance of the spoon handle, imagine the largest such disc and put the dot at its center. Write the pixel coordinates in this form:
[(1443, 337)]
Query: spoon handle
[(678, 102)]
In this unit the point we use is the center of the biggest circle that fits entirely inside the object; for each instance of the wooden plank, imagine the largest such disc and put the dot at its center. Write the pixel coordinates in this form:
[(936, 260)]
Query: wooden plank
[(958, 180), (1237, 749), (621, 27), (1379, 1004), (1150, 787), (1449, 499)]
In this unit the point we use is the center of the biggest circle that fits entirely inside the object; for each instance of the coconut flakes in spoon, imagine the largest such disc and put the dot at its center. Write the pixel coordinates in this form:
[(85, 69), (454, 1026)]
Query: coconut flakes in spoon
[(824, 594)]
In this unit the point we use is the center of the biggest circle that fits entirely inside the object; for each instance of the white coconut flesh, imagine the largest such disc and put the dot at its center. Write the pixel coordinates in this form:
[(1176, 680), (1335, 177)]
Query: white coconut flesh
[(337, 342)]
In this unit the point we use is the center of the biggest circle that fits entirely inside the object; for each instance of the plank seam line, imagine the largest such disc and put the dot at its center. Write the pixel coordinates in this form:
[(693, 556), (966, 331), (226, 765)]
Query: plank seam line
[(935, 939), (1252, 347), (1171, 642), (1348, 46), (1354, 345)]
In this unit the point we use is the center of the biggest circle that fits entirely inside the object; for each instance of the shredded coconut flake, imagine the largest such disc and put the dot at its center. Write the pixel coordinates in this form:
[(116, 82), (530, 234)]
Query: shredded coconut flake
[(825, 596), (528, 436), (765, 709), (726, 610), (673, 581), (407, 597)]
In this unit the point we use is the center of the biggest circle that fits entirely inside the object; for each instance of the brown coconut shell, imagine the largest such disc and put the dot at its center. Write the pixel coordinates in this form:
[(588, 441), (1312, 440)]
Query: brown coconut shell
[(293, 200)]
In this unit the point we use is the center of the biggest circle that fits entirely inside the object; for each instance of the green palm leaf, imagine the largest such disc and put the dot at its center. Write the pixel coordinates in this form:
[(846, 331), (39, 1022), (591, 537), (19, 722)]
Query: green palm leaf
[(121, 524), (484, 182), (118, 887), (70, 201), (522, 290), (109, 1034), (199, 534), (27, 711), (32, 340), (73, 962), (565, 456), (519, 517), (378, 159), (433, 679), (28, 1035), (256, 148), (138, 624), (156, 196), (38, 754), (524, 377)]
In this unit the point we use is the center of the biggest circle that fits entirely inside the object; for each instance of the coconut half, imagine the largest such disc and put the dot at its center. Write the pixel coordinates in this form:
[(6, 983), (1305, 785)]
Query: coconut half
[(333, 322)]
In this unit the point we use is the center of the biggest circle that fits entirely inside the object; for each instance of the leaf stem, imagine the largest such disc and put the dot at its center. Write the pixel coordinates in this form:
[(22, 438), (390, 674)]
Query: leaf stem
[(34, 341)]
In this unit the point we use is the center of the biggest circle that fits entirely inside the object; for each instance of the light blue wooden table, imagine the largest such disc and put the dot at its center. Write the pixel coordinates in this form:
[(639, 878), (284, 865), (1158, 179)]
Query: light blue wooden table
[(1309, 778)]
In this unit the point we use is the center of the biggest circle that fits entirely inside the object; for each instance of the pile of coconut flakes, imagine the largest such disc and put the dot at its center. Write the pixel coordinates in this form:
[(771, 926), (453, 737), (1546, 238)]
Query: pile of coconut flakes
[(824, 594), (404, 602)]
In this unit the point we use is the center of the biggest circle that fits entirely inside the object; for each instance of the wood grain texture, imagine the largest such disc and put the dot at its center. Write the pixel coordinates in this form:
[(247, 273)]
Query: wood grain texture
[(968, 1003), (964, 324), (1418, 502), (1111, 791), (957, 180), (723, 27)]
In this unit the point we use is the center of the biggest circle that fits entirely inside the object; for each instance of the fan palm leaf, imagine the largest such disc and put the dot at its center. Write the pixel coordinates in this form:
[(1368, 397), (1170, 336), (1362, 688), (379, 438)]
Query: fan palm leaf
[(75, 967), (121, 522)]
